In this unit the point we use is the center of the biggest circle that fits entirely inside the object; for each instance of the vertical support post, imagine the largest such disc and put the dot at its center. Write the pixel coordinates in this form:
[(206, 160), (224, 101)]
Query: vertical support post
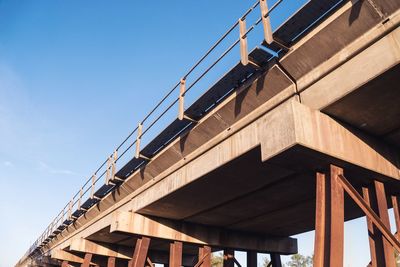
[(321, 243), (276, 260), (266, 22), (251, 259), (375, 242), (182, 91), (228, 258), (329, 220), (93, 184), (175, 254), (336, 218), (244, 57), (70, 209), (108, 170), (64, 264), (384, 215), (114, 167), (396, 211), (80, 198), (138, 138), (111, 262), (86, 260), (140, 253), (62, 215), (205, 256)]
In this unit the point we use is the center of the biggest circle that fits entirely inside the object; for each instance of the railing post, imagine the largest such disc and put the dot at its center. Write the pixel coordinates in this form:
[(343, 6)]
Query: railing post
[(244, 57), (62, 216), (80, 198), (182, 90), (138, 138), (114, 168), (266, 22), (108, 170), (92, 187), (70, 209)]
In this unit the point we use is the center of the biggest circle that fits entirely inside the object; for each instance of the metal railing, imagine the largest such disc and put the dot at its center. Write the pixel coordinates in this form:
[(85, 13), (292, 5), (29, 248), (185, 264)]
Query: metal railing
[(107, 169)]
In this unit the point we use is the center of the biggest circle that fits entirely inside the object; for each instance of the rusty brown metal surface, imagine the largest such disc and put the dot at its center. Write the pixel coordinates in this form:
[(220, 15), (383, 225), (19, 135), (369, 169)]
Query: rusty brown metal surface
[(374, 236), (140, 252), (352, 192), (396, 212), (87, 259), (111, 262), (204, 256), (175, 258), (337, 218), (384, 215)]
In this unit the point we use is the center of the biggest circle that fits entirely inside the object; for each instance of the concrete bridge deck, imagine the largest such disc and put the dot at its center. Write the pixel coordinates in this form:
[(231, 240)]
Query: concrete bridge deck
[(243, 176)]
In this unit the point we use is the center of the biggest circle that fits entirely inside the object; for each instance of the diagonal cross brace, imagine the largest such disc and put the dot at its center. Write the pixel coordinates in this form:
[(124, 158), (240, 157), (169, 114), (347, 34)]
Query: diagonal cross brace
[(358, 199)]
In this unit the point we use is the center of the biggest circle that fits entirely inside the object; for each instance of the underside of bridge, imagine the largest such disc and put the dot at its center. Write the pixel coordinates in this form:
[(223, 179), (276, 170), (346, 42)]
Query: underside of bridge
[(308, 140)]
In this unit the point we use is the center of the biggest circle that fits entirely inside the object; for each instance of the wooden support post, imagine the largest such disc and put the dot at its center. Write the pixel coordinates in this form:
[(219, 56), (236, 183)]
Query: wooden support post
[(64, 264), (87, 260), (396, 211), (321, 242), (251, 259), (276, 260), (182, 91), (111, 262), (374, 236), (244, 56), (329, 220), (384, 215), (204, 256), (140, 253), (266, 22), (336, 218), (229, 258), (175, 254), (138, 138)]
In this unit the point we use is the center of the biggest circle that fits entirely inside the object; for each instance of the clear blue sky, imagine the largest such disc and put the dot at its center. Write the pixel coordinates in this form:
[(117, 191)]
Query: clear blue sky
[(76, 77)]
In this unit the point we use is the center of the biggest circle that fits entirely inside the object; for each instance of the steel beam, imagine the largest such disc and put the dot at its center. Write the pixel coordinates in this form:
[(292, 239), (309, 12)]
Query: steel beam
[(103, 249), (87, 259), (137, 224), (111, 262), (384, 216), (251, 259), (175, 250), (204, 257), (352, 192), (329, 221), (140, 253)]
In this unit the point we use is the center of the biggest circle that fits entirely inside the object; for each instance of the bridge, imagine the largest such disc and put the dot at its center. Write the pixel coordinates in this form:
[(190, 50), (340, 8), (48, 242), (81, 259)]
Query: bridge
[(303, 133)]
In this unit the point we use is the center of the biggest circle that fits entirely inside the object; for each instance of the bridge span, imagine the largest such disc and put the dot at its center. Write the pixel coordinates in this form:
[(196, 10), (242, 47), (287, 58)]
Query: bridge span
[(302, 134)]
